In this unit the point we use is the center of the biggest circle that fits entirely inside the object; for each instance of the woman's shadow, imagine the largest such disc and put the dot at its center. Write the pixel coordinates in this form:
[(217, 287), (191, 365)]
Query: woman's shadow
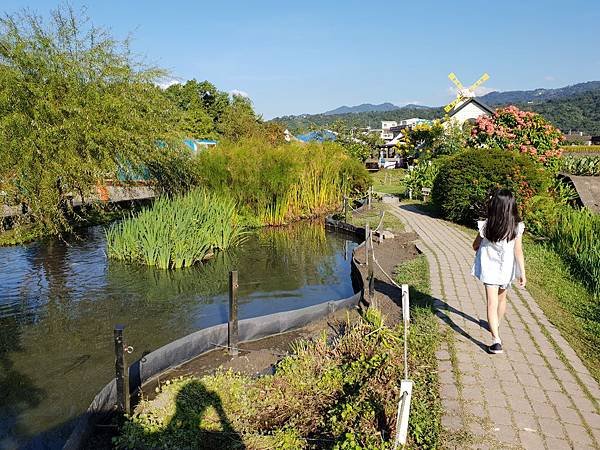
[(195, 426)]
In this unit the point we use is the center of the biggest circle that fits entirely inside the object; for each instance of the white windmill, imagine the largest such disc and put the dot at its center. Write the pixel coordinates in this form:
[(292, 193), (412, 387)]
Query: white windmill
[(466, 106)]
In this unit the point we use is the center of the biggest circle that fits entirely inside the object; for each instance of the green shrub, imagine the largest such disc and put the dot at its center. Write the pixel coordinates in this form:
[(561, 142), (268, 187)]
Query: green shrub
[(423, 175), (465, 181)]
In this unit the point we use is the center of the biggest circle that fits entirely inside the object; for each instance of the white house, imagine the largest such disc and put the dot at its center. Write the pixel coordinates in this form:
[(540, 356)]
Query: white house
[(469, 109), (386, 133)]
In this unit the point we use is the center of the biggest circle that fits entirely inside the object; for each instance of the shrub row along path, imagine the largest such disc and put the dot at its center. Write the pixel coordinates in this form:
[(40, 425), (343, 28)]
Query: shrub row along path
[(537, 394)]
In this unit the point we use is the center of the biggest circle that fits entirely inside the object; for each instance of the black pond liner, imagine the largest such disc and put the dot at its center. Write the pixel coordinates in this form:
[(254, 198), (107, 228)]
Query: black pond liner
[(195, 344)]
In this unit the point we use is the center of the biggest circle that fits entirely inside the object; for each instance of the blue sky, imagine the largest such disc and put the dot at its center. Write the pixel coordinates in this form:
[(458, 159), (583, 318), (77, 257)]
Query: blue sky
[(312, 56)]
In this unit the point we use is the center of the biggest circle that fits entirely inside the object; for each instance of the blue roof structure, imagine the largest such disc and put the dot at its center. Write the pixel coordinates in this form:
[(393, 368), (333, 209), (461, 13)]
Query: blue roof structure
[(197, 144), (318, 136)]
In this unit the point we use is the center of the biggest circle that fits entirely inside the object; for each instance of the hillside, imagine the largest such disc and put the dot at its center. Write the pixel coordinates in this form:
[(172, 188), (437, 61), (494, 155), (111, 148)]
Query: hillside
[(575, 107), (539, 95), (365, 107), (305, 122)]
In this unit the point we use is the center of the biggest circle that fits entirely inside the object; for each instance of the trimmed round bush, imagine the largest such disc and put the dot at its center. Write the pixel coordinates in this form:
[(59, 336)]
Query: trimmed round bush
[(466, 180)]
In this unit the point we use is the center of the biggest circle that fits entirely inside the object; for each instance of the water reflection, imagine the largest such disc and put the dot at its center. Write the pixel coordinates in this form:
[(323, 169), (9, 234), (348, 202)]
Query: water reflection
[(60, 299)]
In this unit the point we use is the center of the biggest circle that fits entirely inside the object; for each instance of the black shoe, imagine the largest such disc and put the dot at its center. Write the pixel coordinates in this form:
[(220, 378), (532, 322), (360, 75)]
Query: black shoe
[(495, 348)]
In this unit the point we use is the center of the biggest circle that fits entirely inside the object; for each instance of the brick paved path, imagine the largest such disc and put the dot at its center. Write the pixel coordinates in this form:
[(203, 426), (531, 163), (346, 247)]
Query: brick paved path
[(528, 397)]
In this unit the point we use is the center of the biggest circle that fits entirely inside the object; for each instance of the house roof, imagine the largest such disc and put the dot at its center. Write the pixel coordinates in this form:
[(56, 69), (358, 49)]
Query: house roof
[(479, 103), (588, 189)]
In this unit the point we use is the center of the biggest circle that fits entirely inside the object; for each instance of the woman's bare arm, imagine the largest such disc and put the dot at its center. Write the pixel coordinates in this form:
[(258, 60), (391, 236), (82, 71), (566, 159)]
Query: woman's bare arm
[(520, 260), (477, 243)]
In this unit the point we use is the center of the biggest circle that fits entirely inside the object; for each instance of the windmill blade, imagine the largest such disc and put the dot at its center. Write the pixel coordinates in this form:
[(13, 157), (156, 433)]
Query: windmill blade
[(479, 82), (456, 81), (450, 106)]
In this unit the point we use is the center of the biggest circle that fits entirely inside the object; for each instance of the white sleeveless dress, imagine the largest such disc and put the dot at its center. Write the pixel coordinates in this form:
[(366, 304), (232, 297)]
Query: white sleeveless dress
[(495, 262)]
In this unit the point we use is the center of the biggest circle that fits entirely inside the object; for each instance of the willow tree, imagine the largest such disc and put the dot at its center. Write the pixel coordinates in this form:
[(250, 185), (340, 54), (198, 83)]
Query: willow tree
[(75, 105)]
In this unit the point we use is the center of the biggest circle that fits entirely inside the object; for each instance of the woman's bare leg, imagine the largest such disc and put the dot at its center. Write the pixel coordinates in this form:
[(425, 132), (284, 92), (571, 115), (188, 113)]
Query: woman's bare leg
[(501, 304), (491, 293)]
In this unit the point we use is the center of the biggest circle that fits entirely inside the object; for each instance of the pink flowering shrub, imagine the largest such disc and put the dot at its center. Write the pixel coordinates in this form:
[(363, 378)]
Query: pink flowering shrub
[(522, 131)]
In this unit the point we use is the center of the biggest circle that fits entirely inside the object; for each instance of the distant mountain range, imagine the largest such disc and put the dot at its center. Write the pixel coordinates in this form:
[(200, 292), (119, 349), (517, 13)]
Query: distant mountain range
[(575, 107), (539, 95)]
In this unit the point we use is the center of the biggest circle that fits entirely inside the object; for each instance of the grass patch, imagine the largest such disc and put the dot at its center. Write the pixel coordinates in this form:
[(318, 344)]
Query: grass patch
[(423, 341), (336, 392), (373, 216), (389, 181)]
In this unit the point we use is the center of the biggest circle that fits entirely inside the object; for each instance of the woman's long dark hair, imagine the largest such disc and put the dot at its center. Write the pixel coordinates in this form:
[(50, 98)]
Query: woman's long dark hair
[(503, 217)]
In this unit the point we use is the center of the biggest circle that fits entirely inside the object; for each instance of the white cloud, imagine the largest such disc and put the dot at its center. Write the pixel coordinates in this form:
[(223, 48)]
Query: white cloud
[(166, 82), (479, 91), (410, 102), (549, 78), (240, 93)]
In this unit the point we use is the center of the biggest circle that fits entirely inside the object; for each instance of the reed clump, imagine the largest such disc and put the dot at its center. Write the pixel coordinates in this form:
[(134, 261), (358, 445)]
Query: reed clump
[(276, 185), (178, 232), (573, 233)]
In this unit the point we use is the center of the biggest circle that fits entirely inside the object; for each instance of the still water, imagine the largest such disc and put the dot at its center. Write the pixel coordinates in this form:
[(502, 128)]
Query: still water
[(59, 302)]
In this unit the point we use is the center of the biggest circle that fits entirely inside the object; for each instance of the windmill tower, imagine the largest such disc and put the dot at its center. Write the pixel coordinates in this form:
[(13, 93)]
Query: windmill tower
[(466, 106)]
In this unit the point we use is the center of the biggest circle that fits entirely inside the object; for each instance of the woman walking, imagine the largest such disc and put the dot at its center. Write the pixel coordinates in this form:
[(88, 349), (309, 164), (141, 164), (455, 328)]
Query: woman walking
[(499, 259)]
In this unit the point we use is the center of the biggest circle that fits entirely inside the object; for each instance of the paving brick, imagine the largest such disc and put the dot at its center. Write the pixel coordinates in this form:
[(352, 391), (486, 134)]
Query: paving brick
[(523, 421), (578, 435), (500, 415), (531, 440), (452, 422), (543, 409), (551, 427), (583, 403), (535, 394), (449, 391), (558, 444), (569, 415), (592, 419)]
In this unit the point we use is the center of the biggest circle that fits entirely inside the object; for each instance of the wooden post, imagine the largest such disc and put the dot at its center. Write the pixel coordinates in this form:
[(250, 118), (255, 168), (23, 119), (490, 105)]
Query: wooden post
[(370, 195), (232, 330), (121, 371), (369, 259)]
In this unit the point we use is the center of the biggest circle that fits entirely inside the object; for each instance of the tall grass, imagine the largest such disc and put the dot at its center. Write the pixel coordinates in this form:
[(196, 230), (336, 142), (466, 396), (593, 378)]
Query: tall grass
[(277, 185), (575, 235), (178, 232)]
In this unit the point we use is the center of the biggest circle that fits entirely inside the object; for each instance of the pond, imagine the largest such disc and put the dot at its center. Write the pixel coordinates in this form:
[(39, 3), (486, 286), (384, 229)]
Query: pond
[(60, 300)]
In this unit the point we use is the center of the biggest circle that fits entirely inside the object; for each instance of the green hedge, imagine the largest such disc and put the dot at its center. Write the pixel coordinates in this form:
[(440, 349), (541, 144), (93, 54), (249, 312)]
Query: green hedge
[(465, 181)]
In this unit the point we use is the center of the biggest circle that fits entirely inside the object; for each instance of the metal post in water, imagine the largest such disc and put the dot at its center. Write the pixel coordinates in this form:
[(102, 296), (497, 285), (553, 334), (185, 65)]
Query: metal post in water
[(121, 371), (345, 209), (232, 329)]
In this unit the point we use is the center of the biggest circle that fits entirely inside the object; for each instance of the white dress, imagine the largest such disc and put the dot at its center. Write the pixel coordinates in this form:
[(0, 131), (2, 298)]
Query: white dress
[(495, 262)]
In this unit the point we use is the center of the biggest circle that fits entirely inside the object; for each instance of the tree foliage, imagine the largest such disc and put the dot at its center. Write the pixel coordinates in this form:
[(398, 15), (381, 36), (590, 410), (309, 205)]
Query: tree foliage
[(74, 107)]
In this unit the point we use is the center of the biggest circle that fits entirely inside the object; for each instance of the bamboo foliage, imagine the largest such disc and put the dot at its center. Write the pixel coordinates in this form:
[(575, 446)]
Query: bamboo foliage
[(178, 232)]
